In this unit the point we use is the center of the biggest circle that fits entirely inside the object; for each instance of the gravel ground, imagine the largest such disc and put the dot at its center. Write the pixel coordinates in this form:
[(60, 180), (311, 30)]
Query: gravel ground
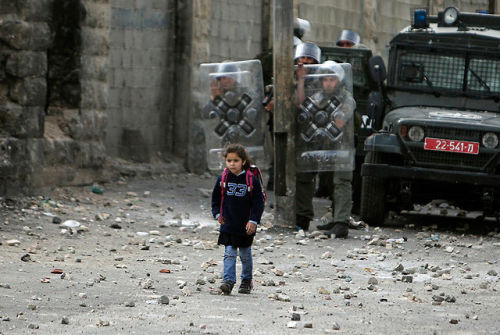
[(142, 258)]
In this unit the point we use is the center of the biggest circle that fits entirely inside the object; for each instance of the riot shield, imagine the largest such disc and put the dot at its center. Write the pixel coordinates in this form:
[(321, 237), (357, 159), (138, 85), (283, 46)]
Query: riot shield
[(325, 119), (231, 104)]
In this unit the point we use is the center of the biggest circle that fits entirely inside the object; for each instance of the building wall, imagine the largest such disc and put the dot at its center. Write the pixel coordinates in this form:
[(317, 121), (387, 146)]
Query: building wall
[(140, 78), (53, 92)]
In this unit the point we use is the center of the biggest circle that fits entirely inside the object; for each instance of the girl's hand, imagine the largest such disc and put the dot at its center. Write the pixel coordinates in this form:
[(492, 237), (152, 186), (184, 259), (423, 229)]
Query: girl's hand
[(251, 228), (221, 219)]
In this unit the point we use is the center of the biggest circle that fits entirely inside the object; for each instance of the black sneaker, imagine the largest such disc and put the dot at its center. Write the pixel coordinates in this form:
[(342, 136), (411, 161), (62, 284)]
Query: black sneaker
[(339, 230), (245, 286), (226, 287)]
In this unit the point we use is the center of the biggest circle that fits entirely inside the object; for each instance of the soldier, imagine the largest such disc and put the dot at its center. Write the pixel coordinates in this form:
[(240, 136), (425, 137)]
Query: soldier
[(326, 143), (305, 53), (346, 39), (231, 95)]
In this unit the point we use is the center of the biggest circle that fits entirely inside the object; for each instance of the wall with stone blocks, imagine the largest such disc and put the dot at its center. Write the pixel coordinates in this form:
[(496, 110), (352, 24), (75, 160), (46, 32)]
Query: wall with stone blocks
[(141, 86), (53, 92)]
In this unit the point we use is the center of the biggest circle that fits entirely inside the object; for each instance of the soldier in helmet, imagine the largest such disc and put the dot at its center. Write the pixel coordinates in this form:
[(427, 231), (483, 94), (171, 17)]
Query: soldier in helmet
[(305, 53), (226, 80), (348, 38), (336, 103)]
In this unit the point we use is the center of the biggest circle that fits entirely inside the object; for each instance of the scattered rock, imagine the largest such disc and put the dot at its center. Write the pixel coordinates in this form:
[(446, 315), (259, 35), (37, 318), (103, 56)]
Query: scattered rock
[(26, 258), (163, 300), (13, 243)]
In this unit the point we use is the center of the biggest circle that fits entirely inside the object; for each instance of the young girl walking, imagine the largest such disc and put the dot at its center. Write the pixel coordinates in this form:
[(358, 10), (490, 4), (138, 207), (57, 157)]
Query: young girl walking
[(238, 208)]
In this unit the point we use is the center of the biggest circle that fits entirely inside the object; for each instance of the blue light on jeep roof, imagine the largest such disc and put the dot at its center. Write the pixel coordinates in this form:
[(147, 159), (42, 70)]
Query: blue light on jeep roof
[(480, 11), (420, 18)]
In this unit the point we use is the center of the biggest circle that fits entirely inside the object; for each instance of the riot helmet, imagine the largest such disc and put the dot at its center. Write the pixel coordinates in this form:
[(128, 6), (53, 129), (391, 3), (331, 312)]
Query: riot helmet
[(332, 68), (229, 70), (300, 27), (348, 38), (331, 76), (308, 49)]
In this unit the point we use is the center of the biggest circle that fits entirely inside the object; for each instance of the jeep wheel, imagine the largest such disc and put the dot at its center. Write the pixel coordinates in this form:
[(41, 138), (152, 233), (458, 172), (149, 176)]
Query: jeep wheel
[(373, 195)]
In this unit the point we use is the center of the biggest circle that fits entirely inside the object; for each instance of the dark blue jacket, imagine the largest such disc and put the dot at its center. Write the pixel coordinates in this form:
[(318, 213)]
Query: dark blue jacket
[(240, 205)]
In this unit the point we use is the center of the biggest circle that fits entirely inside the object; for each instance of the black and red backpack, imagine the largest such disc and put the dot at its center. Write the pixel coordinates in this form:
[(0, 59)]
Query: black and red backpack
[(252, 171)]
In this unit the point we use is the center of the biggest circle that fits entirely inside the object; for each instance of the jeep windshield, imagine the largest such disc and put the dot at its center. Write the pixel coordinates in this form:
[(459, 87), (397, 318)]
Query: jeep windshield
[(447, 74)]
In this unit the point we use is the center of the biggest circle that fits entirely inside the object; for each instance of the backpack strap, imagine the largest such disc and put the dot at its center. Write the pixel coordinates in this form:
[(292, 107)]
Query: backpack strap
[(223, 181), (249, 180)]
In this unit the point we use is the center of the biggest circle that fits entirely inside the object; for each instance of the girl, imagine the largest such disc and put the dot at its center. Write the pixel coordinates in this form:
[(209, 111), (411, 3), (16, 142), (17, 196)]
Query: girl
[(238, 209)]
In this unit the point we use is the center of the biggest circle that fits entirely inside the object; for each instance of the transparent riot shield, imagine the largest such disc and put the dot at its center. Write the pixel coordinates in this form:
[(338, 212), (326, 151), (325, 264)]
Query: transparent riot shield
[(231, 105), (325, 119)]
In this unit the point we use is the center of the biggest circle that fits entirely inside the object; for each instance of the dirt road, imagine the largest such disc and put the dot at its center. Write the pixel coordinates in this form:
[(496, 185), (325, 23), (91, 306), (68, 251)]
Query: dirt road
[(142, 258)]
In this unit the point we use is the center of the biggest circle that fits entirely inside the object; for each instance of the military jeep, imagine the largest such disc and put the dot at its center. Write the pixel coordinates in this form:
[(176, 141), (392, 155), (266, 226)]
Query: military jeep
[(439, 117)]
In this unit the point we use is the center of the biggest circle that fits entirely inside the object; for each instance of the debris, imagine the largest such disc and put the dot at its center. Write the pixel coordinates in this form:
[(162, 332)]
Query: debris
[(13, 243), (26, 258), (97, 190), (71, 224), (163, 300)]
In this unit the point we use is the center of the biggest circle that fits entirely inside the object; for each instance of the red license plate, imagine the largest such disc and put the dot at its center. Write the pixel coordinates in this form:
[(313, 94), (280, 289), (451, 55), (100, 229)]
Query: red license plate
[(439, 144)]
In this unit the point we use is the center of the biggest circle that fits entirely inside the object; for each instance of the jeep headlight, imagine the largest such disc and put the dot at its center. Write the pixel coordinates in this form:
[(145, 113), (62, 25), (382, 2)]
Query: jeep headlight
[(490, 140), (416, 133)]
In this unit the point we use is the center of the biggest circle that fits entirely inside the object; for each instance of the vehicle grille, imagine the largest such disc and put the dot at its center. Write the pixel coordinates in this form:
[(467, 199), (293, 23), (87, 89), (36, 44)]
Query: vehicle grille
[(451, 159), (453, 134)]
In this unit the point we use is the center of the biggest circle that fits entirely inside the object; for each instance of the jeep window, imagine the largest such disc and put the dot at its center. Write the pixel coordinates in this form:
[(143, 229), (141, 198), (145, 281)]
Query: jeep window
[(443, 72), (484, 76)]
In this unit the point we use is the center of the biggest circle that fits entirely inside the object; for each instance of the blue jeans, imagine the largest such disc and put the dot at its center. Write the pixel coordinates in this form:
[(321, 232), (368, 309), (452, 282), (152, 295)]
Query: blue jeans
[(230, 254)]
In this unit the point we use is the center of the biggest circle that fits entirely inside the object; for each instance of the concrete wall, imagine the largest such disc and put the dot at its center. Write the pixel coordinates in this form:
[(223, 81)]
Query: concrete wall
[(140, 77)]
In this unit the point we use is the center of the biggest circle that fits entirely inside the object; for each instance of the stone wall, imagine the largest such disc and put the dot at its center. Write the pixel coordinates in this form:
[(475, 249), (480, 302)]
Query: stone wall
[(141, 78), (25, 36), (53, 92)]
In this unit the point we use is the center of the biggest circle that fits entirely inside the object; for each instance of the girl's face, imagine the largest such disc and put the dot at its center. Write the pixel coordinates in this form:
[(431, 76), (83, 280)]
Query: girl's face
[(234, 163)]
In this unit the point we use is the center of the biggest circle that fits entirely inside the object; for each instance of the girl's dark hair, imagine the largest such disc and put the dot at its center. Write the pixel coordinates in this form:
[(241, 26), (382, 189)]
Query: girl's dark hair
[(242, 153)]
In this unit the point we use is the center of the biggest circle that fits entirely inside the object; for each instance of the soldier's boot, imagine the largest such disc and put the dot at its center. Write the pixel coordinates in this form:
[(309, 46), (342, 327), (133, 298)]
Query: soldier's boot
[(339, 230), (302, 222), (326, 226)]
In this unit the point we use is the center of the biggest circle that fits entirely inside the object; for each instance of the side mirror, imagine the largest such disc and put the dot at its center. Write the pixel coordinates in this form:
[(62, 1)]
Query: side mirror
[(378, 71)]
